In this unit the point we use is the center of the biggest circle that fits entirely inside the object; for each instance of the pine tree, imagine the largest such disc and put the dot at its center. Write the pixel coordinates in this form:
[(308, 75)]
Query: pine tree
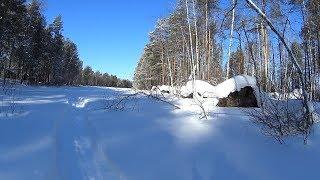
[(87, 76), (12, 33), (37, 48), (57, 51), (71, 65), (236, 63)]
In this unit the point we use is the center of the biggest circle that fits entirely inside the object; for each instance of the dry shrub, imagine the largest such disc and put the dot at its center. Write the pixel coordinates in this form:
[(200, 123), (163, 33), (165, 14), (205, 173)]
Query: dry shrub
[(281, 119)]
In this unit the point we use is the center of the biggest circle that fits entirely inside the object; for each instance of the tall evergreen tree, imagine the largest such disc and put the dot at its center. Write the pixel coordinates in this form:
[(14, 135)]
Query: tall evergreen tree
[(57, 51), (12, 33), (71, 65), (36, 37)]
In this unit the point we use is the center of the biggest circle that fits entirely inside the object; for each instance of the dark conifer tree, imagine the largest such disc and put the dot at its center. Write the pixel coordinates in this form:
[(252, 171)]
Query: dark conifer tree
[(71, 65), (12, 33), (57, 51)]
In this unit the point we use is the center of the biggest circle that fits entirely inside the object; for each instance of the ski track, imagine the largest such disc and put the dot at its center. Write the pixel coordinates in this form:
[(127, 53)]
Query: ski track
[(72, 145), (78, 136)]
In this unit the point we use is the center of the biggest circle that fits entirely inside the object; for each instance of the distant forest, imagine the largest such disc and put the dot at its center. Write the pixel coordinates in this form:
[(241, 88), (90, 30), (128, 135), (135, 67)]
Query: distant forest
[(213, 40), (35, 52)]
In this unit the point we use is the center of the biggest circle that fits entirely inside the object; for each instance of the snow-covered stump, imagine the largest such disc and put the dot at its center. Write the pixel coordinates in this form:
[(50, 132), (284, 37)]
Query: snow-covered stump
[(243, 98)]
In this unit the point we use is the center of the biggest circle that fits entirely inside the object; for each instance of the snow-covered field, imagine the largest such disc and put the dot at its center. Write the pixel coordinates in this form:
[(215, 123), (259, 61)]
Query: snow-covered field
[(66, 134)]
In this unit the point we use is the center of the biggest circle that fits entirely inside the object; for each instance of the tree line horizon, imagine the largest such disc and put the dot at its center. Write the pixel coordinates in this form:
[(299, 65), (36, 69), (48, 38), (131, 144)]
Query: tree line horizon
[(37, 53)]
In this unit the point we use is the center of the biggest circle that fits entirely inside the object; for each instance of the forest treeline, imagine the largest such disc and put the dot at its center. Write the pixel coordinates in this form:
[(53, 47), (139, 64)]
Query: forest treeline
[(213, 40), (35, 52)]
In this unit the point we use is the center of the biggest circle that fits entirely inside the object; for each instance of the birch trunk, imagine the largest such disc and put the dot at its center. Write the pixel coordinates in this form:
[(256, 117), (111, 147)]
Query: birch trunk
[(197, 38), (207, 42), (265, 48), (163, 68), (231, 38), (170, 71), (191, 47)]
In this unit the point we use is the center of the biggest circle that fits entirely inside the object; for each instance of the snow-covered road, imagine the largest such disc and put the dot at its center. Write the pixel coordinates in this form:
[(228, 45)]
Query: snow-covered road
[(64, 134)]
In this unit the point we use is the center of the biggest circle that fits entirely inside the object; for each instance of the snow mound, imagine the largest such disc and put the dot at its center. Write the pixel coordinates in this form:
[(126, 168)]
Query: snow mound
[(83, 102), (222, 90), (235, 84), (201, 87), (90, 103), (162, 89), (165, 89)]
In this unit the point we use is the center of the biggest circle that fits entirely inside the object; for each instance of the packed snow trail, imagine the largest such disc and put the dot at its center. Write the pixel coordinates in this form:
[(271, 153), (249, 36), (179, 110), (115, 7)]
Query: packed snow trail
[(63, 134)]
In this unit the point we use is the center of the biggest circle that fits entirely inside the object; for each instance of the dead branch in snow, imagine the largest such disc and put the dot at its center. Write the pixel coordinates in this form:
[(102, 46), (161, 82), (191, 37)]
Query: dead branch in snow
[(204, 114), (159, 99), (121, 102)]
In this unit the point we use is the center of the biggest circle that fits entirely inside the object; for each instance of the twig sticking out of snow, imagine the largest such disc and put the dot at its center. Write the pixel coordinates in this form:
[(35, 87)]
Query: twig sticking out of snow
[(200, 103), (120, 104)]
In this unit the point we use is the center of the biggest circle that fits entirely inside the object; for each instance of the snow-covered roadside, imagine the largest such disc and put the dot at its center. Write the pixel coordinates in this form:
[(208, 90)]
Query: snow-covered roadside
[(63, 133), (209, 94)]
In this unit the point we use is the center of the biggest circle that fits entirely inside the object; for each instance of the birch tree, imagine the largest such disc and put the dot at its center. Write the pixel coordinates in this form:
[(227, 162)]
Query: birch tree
[(231, 36)]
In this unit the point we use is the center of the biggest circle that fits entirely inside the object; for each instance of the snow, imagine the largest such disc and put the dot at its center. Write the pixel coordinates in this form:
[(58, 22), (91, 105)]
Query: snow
[(295, 94), (222, 90), (165, 89), (235, 84), (201, 87), (65, 133)]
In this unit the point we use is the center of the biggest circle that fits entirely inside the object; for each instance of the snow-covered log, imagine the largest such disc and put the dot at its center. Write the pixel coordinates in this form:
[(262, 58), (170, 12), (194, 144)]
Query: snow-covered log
[(223, 90), (236, 84), (243, 98)]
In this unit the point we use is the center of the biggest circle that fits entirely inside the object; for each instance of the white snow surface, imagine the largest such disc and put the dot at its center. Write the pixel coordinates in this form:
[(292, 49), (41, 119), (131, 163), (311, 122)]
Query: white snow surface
[(65, 133)]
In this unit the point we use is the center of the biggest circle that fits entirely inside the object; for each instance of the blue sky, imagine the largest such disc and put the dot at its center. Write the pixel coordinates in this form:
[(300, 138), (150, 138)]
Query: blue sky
[(110, 34)]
